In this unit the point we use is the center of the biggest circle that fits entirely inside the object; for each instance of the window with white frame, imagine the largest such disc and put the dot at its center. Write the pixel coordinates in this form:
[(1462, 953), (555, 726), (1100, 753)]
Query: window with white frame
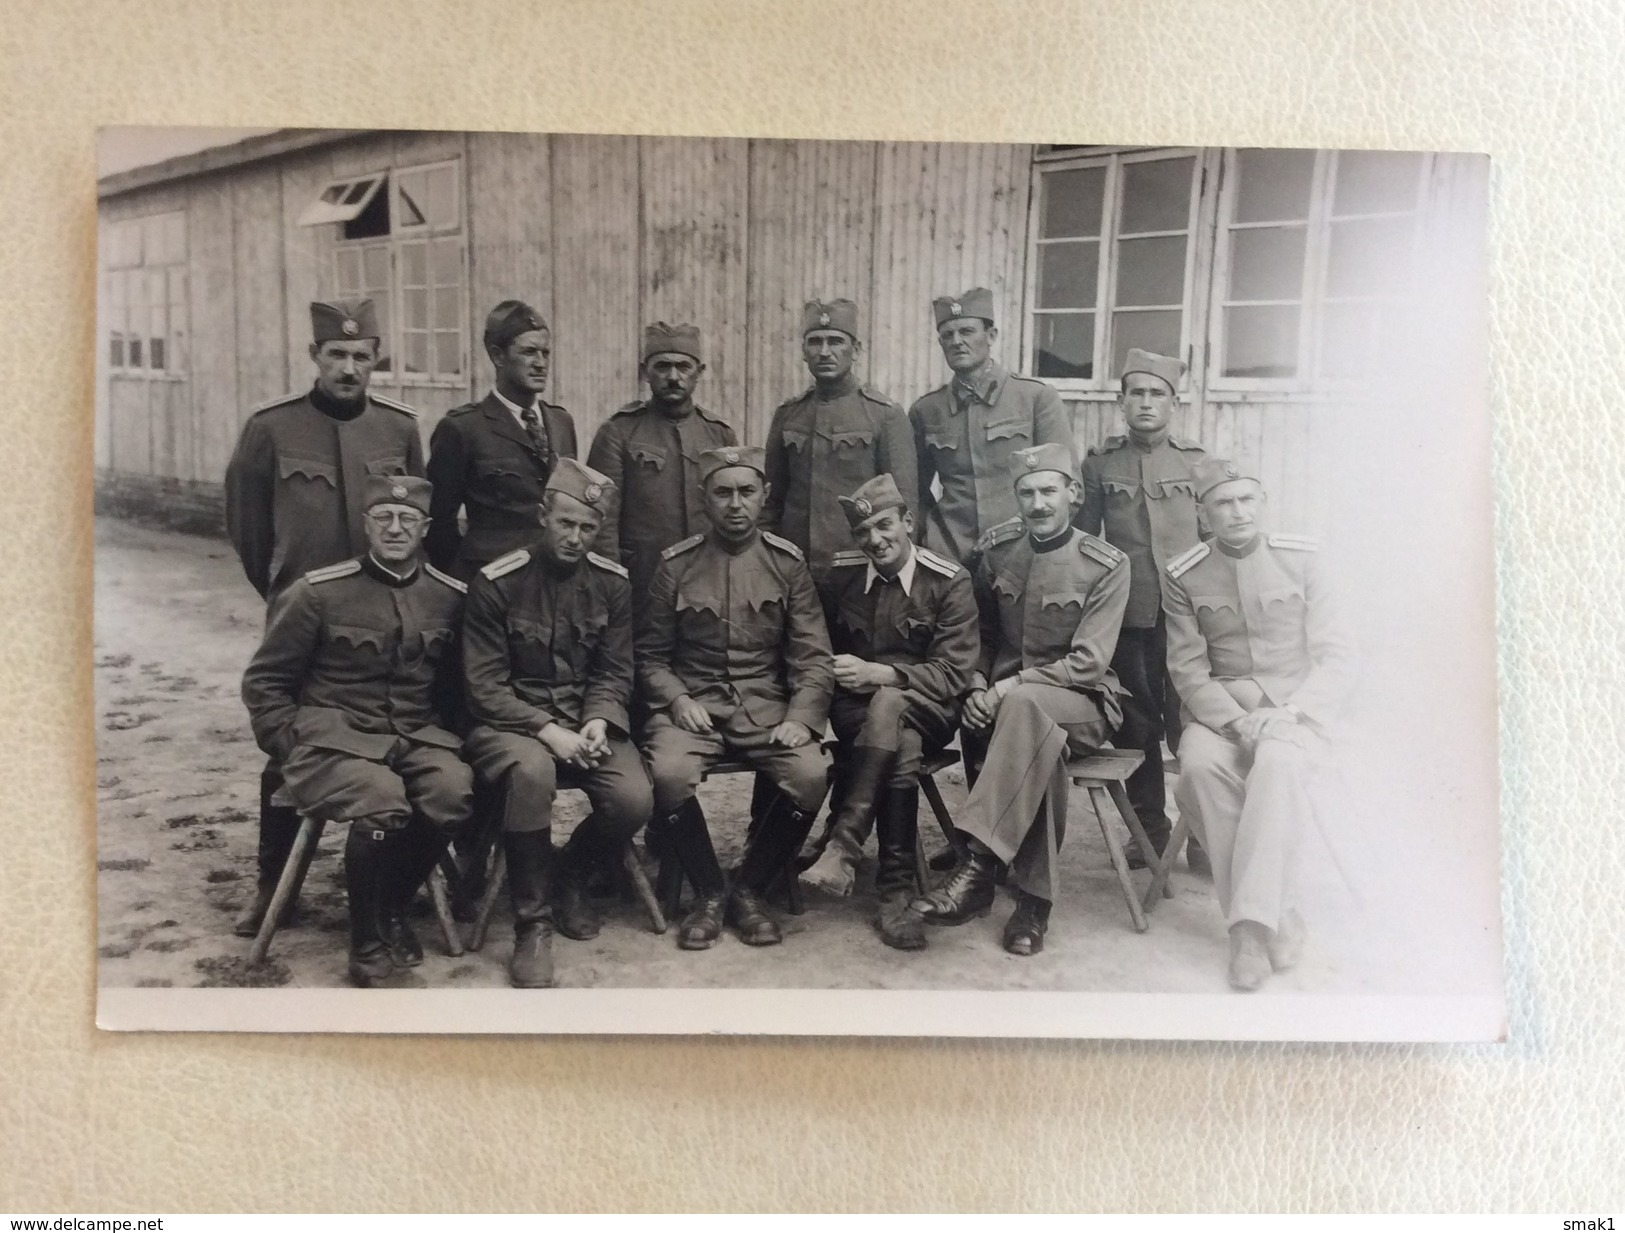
[(148, 315), (1113, 262), (1315, 253), (401, 243)]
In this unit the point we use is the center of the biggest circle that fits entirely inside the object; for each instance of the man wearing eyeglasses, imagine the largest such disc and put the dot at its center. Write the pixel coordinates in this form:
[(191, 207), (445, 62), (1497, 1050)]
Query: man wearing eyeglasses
[(350, 693)]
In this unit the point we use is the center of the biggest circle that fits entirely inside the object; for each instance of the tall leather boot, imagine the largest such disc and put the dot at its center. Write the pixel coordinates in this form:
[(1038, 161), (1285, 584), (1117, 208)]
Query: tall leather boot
[(836, 868), (779, 834), (967, 894), (279, 827), (370, 856), (530, 877), (422, 850), (573, 912), (691, 840), (896, 820)]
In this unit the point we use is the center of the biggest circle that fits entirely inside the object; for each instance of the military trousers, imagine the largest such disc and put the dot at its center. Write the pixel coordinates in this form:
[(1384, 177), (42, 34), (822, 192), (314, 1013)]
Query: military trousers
[(1017, 808), (678, 760), (1249, 811), (411, 779), (894, 720), (527, 775), (1150, 713)]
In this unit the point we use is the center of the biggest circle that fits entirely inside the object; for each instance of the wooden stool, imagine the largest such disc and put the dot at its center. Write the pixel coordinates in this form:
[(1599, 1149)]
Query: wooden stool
[(1101, 775), (293, 875)]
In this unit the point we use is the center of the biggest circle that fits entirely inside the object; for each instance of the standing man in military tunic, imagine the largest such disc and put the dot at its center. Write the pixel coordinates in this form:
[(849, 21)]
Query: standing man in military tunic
[(734, 659), (350, 692), (904, 626), (651, 451), (492, 458), (1264, 664), (1139, 495), (966, 431), (295, 501), (547, 655), (831, 439), (1052, 601)]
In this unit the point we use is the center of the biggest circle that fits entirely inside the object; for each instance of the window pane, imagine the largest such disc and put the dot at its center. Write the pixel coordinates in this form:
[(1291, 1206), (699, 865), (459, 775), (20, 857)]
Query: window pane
[(1073, 202), (441, 202), (448, 263), (1261, 342), (115, 353), (1157, 195), (1350, 345), (116, 294), (1065, 345), (446, 308), (415, 309), (174, 238), (1375, 181), (410, 194), (375, 268), (1368, 256), (1273, 185), (358, 190), (1266, 263), (155, 355), (177, 285), (134, 355), (1155, 331), (1151, 271), (448, 347), (347, 270), (414, 265), (1068, 274), (416, 346), (382, 307), (152, 241)]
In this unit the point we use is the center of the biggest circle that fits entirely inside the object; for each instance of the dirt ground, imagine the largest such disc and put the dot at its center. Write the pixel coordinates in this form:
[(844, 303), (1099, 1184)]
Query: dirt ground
[(177, 778)]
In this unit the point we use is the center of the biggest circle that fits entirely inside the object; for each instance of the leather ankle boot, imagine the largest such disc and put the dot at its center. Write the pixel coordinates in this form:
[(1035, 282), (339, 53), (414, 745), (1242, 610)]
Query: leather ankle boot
[(899, 923), (967, 894), (777, 837), (530, 868), (835, 870), (690, 840), (370, 853), (421, 852), (750, 916), (1249, 955), (1024, 931), (574, 914)]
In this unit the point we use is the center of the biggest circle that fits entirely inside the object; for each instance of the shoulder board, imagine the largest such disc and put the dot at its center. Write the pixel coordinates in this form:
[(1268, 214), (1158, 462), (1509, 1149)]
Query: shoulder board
[(1180, 443), (282, 401), (614, 567), (631, 408), (710, 415), (393, 405), (451, 582), (795, 398), (1183, 562), (1108, 445), (932, 561), (852, 557), (1099, 550), (1300, 543), (1006, 531), (874, 395), (464, 409), (517, 559), (783, 545), (941, 389), (329, 572), (682, 546)]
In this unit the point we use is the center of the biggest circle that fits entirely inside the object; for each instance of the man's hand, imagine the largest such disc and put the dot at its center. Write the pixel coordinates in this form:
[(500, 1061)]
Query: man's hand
[(690, 716), (791, 735), (981, 708), (861, 676), (564, 745), (595, 732), (1252, 727)]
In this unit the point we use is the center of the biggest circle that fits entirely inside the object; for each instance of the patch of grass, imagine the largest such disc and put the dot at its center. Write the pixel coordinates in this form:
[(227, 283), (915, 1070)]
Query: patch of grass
[(207, 840), (156, 738), (109, 781), (143, 905), (222, 875), (132, 864), (168, 946), (235, 972), (123, 721), (183, 819), (114, 661), (226, 736), (179, 684), (154, 982), (134, 700), (115, 950), (166, 924)]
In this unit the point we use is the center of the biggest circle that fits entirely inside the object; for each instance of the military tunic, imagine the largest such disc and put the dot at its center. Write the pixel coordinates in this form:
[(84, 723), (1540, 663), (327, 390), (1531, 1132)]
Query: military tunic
[(351, 689), (654, 461), (964, 434), (482, 460), (740, 631), (820, 448), (294, 483), (548, 645), (924, 624), (1250, 628), (1050, 616)]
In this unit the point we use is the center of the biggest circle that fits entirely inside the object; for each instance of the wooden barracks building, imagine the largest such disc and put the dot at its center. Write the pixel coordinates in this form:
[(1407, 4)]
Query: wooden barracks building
[(1293, 281)]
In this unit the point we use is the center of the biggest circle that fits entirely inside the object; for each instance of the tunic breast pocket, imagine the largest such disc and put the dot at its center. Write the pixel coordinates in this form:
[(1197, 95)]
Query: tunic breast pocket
[(795, 439), (647, 456), (917, 633), (305, 471), (435, 642), (942, 440), (506, 481), (395, 464), (1120, 492), (1283, 609), (588, 630), (359, 639), (1058, 617), (1219, 616)]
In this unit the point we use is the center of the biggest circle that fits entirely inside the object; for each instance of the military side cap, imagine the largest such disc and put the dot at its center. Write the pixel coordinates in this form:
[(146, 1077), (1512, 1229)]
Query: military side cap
[(398, 490), (1211, 472), (839, 315), (508, 320), (345, 320), (683, 339), (977, 302), (752, 456), (871, 498), (581, 482), (1164, 366), (1047, 457)]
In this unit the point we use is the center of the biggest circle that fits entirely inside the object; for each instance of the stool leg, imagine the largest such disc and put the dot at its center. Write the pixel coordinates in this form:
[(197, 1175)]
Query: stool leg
[(1102, 804), (792, 886), (442, 911), (1157, 864), (939, 810), (922, 871), (488, 901), (640, 883), (304, 843)]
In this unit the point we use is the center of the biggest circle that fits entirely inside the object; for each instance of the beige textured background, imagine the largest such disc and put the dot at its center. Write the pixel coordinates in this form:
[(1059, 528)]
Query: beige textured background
[(105, 1122)]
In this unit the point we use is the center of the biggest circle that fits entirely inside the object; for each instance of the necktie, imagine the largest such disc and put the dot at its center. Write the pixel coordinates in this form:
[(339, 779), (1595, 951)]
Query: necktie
[(531, 418)]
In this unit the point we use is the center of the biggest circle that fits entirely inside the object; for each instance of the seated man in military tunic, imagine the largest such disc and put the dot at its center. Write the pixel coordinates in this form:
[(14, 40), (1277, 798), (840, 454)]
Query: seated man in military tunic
[(1263, 663), (350, 691), (734, 660), (903, 623), (547, 656), (1052, 601)]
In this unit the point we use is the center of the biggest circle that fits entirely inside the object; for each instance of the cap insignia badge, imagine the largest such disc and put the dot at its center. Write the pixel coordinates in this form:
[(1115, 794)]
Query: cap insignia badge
[(730, 456), (955, 308), (594, 491), (398, 492), (863, 506), (1230, 470), (823, 318), (350, 327)]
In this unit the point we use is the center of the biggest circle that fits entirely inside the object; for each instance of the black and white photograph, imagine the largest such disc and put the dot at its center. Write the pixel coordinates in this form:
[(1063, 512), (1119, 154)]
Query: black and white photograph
[(572, 583)]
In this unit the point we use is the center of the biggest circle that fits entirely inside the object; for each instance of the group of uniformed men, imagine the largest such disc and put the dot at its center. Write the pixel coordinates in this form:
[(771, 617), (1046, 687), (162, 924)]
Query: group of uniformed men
[(501, 620)]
